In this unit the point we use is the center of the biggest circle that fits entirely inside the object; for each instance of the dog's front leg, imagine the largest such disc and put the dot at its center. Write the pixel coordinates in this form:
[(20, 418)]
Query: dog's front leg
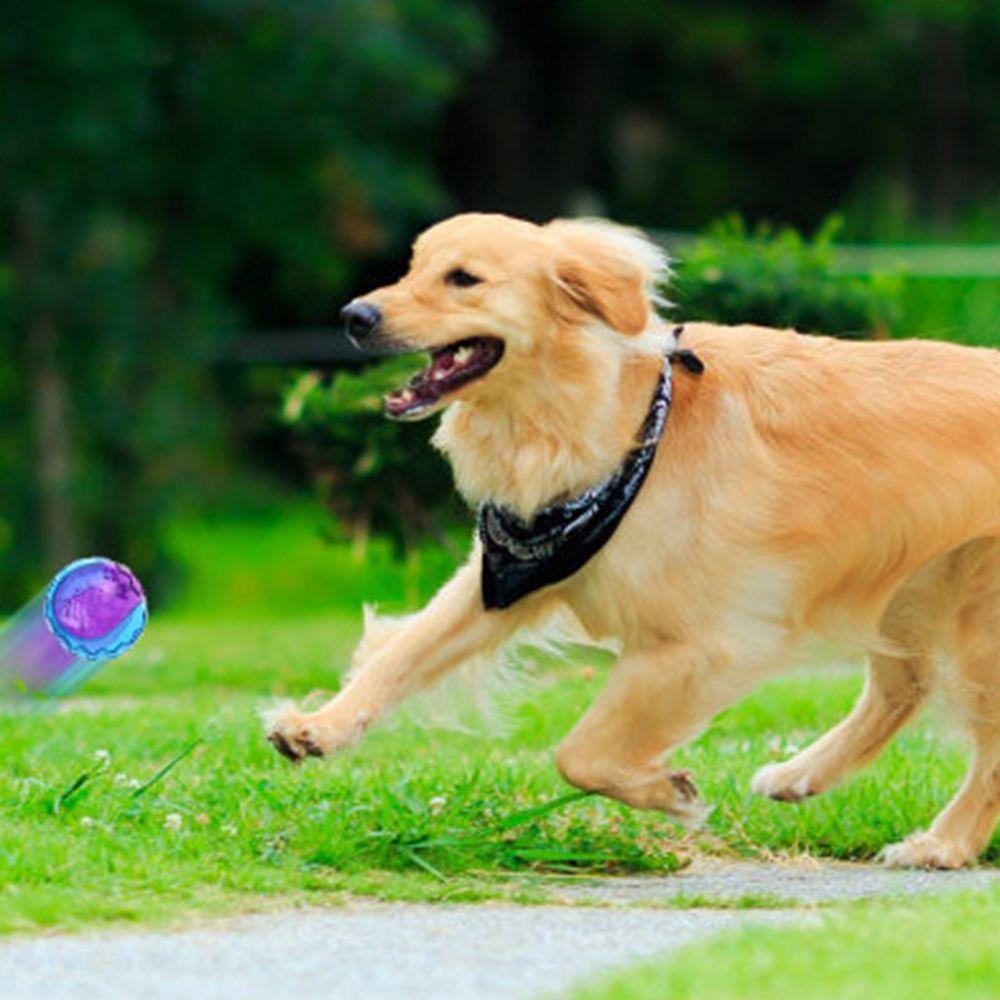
[(655, 700), (453, 627)]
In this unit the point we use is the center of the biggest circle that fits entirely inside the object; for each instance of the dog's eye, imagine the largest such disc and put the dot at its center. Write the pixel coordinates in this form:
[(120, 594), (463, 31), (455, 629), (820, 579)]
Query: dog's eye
[(461, 278)]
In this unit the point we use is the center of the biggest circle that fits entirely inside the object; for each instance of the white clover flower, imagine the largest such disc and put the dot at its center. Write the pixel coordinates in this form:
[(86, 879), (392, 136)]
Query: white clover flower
[(121, 780), (173, 821), (437, 804), (103, 757), (87, 822)]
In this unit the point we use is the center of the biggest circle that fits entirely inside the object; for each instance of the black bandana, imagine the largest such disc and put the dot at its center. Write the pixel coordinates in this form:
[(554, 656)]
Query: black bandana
[(520, 558)]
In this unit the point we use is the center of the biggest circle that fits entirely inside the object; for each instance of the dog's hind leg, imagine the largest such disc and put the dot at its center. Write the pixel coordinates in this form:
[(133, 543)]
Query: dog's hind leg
[(896, 687), (653, 701), (963, 829)]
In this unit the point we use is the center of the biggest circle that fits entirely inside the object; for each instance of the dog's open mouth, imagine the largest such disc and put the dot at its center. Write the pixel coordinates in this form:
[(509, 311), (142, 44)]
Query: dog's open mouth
[(451, 367)]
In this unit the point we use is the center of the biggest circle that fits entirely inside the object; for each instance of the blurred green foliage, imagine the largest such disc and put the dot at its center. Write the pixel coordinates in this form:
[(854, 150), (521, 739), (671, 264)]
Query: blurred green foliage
[(374, 475), (780, 279), (288, 561), (966, 310), (159, 161)]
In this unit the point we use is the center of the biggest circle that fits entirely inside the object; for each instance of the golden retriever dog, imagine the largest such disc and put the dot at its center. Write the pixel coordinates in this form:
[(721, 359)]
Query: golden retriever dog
[(801, 486)]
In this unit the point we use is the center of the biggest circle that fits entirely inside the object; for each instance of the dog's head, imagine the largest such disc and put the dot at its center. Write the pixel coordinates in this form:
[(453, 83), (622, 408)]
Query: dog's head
[(490, 297)]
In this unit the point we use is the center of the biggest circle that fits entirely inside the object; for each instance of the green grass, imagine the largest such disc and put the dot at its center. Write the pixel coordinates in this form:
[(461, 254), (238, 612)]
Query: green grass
[(418, 813), (152, 795), (283, 563), (938, 949), (95, 830)]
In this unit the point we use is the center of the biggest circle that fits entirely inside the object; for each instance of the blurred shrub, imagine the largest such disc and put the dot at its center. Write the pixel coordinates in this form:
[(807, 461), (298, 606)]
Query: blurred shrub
[(374, 475), (779, 279)]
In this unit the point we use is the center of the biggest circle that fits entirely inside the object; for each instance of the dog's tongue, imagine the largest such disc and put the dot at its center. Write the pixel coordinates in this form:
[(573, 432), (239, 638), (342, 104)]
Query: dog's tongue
[(412, 397), (450, 368)]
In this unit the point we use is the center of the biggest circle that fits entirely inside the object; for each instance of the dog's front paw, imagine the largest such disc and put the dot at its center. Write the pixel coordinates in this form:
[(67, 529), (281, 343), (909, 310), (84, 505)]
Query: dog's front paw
[(784, 782), (296, 735), (924, 850)]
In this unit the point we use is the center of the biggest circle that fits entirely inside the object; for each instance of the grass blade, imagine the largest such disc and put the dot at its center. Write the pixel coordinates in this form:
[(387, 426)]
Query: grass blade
[(516, 819), (507, 823), (423, 863), (567, 857), (68, 793), (168, 767)]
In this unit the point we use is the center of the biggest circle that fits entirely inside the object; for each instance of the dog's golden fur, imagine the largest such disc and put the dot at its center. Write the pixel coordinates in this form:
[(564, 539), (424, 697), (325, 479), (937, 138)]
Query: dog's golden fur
[(803, 486)]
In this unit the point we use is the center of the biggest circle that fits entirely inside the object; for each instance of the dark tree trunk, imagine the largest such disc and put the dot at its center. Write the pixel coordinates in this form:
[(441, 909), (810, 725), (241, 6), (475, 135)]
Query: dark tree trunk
[(525, 138), (946, 107), (49, 395), (53, 445)]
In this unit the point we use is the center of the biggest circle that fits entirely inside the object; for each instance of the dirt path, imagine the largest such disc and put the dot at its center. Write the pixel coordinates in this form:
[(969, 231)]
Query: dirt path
[(384, 951)]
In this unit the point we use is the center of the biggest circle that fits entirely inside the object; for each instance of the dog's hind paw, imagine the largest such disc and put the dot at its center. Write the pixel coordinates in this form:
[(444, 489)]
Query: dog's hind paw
[(688, 807), (924, 850)]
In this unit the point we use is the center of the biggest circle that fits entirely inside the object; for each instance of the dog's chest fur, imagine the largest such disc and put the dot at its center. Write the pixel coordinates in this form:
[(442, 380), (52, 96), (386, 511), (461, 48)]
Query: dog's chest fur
[(666, 577), (521, 464)]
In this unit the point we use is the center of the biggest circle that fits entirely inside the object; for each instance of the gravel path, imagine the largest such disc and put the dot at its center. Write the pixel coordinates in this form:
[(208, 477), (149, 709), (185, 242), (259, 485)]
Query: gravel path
[(377, 951), (383, 951), (793, 882)]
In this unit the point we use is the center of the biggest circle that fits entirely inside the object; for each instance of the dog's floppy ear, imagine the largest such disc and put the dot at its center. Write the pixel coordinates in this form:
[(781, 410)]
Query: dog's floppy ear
[(608, 271)]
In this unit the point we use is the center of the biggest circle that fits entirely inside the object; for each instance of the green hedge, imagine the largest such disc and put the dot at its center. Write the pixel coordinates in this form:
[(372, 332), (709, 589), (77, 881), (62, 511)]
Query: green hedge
[(374, 475), (781, 279)]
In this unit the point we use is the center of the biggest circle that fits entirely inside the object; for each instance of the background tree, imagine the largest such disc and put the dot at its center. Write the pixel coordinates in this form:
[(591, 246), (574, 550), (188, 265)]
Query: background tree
[(672, 112), (165, 169)]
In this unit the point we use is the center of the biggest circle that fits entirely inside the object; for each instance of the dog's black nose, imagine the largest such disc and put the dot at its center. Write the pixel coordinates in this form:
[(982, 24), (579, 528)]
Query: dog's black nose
[(361, 320)]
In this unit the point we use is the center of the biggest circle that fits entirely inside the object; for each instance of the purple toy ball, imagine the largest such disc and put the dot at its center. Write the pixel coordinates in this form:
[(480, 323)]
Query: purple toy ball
[(96, 608), (93, 611)]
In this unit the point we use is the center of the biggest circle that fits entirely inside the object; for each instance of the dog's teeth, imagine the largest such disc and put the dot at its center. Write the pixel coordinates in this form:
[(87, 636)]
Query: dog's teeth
[(437, 376), (406, 395), (462, 355)]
